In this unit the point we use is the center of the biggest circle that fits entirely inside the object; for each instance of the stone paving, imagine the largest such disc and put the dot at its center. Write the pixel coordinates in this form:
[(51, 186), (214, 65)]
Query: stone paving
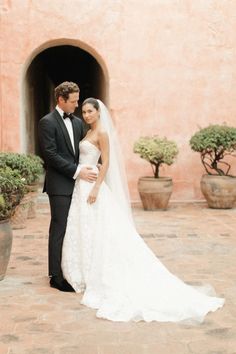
[(196, 243)]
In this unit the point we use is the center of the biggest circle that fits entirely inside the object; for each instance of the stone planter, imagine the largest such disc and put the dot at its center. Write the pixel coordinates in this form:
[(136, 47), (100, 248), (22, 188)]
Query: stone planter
[(19, 218), (155, 192), (5, 246), (219, 191)]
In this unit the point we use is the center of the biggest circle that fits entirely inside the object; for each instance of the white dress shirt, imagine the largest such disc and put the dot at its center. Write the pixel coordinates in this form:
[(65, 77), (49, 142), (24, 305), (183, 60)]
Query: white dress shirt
[(68, 125)]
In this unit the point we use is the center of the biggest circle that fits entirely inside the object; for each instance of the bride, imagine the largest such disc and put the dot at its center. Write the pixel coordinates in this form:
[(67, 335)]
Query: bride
[(104, 257)]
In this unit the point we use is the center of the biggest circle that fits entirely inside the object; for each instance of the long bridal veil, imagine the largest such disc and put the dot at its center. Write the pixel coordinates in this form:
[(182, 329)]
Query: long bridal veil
[(167, 284), (116, 176)]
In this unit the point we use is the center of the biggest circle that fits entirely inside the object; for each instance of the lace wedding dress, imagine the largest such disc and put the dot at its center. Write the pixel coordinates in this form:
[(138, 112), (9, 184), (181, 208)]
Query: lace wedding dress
[(104, 257)]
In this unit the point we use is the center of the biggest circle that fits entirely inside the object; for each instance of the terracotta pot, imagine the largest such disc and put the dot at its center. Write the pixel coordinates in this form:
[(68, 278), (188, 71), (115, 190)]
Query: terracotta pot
[(19, 218), (219, 191), (155, 192), (5, 246)]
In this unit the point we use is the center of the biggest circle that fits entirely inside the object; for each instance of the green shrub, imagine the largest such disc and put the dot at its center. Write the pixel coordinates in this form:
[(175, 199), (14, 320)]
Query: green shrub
[(28, 166), (12, 189), (157, 151), (214, 143), (36, 164)]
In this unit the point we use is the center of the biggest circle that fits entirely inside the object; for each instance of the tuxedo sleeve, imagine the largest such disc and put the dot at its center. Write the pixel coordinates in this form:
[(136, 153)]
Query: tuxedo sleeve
[(47, 141)]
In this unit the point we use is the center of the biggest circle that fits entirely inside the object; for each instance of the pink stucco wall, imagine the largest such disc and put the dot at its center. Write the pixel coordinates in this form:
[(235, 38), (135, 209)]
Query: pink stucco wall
[(170, 66)]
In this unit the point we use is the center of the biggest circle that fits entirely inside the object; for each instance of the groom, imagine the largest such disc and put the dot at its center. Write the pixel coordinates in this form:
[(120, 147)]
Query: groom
[(59, 135)]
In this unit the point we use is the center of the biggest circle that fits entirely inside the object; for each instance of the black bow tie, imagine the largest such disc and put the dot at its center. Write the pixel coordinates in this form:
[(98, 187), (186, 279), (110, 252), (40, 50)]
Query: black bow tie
[(65, 115)]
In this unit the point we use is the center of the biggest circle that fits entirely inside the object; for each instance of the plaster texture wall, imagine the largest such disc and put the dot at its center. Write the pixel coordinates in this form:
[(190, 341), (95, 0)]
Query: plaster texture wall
[(170, 67)]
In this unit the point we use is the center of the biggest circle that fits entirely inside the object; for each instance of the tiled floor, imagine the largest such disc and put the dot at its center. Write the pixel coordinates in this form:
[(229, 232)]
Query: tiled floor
[(196, 243)]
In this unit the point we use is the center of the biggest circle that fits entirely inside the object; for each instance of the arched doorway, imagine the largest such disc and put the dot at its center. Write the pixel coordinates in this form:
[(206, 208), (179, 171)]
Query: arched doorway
[(49, 68)]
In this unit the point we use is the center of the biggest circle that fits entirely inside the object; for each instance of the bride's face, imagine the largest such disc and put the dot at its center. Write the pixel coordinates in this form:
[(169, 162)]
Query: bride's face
[(90, 113)]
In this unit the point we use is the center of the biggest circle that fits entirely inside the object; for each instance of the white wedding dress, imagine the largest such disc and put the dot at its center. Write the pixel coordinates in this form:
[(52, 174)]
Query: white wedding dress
[(105, 258)]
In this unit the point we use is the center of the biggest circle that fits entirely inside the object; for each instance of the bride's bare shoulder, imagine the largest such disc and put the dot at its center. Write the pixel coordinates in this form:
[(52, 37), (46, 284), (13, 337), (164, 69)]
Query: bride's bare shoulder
[(102, 134), (103, 139)]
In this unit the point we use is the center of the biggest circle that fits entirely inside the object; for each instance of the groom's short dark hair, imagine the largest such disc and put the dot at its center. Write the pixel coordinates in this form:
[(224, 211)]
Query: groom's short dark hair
[(65, 88)]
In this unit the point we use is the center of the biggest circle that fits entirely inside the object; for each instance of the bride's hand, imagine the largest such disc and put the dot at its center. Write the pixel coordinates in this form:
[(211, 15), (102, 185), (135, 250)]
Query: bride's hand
[(92, 196)]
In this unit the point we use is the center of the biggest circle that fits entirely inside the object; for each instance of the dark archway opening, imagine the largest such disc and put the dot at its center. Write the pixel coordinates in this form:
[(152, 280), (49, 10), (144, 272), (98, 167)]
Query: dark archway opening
[(48, 69)]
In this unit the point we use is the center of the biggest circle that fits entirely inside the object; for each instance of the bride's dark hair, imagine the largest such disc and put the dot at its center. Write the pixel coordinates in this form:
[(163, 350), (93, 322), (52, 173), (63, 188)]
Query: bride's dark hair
[(92, 101)]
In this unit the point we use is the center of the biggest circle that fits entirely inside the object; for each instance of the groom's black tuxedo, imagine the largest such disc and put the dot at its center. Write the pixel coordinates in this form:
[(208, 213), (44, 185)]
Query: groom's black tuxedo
[(60, 163), (60, 159)]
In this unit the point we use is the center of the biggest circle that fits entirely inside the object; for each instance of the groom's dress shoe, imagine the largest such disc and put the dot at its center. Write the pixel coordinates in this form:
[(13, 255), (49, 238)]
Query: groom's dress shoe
[(61, 285), (68, 286)]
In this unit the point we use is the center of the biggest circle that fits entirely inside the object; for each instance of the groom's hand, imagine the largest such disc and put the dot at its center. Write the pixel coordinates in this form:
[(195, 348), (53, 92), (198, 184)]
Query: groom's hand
[(87, 174)]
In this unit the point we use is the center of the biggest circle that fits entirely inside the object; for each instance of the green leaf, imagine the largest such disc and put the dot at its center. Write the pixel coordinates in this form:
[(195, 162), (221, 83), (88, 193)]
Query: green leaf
[(156, 150)]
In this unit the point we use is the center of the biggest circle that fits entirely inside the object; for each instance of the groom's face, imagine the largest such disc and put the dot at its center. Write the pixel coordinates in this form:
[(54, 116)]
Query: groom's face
[(71, 104)]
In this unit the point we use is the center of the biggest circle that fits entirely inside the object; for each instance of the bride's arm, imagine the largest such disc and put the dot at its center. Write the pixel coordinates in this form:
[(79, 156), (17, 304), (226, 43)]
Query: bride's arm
[(103, 142)]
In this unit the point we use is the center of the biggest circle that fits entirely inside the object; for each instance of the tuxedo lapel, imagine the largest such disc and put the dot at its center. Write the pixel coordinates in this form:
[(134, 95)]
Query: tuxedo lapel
[(65, 131)]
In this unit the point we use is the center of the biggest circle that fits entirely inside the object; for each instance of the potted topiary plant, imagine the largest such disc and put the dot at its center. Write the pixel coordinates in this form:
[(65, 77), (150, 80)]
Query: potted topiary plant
[(215, 144), (155, 191), (12, 189)]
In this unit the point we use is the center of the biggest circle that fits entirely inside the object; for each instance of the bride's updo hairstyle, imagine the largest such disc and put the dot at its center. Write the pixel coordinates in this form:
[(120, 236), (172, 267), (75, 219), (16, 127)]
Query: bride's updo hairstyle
[(91, 101)]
